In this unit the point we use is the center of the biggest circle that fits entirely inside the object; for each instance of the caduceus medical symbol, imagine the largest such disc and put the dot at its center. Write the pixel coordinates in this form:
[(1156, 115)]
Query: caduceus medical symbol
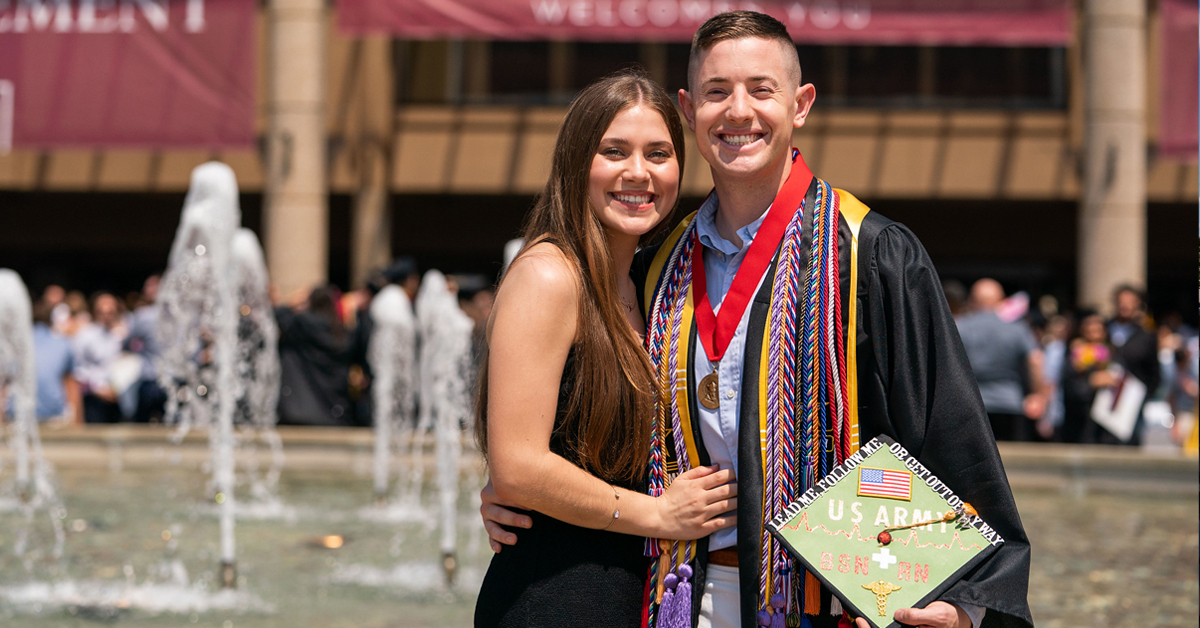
[(881, 590)]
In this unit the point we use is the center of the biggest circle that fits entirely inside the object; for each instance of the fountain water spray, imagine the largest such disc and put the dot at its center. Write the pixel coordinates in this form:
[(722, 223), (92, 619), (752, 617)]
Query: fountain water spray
[(258, 370), (445, 402), (198, 332), (18, 386), (392, 354)]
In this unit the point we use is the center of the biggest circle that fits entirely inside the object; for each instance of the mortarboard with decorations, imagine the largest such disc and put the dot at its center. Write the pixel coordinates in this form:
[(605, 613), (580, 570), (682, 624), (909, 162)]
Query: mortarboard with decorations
[(883, 533)]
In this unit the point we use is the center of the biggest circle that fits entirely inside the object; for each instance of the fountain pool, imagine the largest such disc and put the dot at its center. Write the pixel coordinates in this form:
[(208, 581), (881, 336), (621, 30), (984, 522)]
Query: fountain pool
[(1114, 534), (142, 542)]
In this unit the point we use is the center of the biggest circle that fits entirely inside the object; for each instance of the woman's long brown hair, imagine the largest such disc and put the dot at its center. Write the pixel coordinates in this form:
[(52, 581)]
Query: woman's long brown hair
[(609, 413)]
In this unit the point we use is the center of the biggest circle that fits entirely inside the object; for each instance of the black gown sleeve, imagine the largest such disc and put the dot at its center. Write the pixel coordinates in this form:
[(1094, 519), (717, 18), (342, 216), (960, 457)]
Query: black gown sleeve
[(920, 390)]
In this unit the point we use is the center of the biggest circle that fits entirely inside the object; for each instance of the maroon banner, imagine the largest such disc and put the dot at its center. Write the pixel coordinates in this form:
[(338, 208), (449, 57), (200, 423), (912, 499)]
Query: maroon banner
[(1180, 80), (932, 22), (139, 73)]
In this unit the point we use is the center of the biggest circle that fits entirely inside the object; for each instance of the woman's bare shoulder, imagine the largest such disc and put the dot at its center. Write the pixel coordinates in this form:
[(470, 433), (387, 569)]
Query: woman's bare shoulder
[(542, 272)]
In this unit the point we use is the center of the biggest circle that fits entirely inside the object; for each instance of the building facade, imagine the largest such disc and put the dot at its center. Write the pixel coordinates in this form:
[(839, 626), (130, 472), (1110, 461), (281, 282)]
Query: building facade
[(374, 146)]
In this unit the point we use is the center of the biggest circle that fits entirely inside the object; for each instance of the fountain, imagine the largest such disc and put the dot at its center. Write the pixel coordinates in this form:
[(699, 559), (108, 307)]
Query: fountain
[(258, 372), (33, 487), (198, 332), (392, 354), (445, 401)]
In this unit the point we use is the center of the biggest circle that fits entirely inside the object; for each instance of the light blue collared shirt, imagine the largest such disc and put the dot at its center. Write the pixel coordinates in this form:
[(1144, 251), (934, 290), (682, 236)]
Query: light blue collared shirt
[(719, 428)]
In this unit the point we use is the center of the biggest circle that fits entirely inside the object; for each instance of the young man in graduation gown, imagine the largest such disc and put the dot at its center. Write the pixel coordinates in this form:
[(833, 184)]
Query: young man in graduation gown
[(749, 304)]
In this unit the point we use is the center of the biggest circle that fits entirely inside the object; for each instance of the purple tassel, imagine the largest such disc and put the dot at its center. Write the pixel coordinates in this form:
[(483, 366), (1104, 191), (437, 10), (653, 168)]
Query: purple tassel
[(764, 619), (667, 611), (677, 604), (683, 598), (777, 602)]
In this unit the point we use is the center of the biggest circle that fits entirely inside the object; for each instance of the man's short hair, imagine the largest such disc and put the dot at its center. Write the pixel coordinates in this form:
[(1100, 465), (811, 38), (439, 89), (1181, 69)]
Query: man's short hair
[(739, 25), (1127, 287), (42, 310)]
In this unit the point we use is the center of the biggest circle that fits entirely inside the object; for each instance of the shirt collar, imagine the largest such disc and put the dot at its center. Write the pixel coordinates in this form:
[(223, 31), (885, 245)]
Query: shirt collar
[(706, 228)]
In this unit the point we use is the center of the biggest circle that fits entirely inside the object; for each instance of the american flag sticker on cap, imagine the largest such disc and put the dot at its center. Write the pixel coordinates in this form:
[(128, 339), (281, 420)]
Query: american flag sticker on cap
[(884, 483)]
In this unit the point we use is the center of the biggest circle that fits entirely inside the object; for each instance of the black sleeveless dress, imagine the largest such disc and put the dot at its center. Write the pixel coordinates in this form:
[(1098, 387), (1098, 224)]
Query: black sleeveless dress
[(559, 575)]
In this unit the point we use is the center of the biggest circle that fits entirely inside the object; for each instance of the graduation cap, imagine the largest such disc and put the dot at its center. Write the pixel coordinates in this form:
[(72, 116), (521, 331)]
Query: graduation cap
[(883, 533)]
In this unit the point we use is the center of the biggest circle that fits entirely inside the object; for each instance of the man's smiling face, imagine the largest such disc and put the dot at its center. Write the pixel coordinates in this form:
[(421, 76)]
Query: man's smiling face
[(743, 104)]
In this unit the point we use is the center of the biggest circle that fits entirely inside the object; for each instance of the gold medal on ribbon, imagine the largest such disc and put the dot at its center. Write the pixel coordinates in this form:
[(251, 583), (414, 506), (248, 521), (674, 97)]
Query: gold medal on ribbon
[(708, 392)]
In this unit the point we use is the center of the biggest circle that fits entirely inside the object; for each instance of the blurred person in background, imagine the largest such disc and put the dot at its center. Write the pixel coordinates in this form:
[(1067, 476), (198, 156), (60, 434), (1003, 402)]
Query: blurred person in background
[(149, 396), (58, 398), (1054, 350), (403, 272), (96, 346), (1136, 349), (475, 299), (78, 314), (1085, 371), (1007, 363), (60, 312), (315, 355), (956, 297), (1186, 429)]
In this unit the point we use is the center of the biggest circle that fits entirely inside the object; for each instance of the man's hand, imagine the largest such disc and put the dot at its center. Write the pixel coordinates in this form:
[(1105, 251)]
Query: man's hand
[(495, 514), (936, 615)]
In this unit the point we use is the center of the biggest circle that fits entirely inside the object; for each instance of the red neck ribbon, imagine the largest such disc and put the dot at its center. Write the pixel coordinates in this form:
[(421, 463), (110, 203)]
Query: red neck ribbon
[(715, 330)]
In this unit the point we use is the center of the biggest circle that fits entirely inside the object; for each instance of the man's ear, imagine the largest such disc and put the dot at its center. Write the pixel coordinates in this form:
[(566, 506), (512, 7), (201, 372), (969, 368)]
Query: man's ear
[(689, 112), (805, 95)]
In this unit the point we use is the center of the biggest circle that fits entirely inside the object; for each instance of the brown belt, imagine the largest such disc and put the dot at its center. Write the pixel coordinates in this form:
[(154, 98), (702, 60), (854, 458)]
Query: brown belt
[(727, 557)]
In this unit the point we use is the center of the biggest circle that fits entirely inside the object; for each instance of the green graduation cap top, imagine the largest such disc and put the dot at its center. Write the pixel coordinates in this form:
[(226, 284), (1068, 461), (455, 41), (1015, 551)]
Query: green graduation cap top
[(883, 533)]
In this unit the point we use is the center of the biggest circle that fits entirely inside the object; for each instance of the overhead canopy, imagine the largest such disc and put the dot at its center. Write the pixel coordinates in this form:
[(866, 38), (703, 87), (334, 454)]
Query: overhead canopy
[(149, 73), (931, 22), (1177, 135)]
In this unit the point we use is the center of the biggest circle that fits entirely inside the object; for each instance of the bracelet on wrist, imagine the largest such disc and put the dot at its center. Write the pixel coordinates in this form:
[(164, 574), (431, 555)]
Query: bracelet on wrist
[(616, 509)]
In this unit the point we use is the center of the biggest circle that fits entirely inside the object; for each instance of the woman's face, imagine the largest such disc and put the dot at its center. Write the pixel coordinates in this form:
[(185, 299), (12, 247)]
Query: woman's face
[(635, 173), (1092, 329)]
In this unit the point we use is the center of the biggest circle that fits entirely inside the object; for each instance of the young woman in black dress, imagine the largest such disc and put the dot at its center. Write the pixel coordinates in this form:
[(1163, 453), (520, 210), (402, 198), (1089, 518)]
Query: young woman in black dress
[(567, 393)]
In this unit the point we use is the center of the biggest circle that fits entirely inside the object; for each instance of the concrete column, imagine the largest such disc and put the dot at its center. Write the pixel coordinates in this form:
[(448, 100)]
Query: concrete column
[(371, 247), (374, 107), (296, 207), (1112, 213)]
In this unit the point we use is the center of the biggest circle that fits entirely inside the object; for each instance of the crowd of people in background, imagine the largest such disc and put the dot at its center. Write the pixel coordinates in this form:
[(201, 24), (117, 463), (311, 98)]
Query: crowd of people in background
[(1041, 369), (95, 357)]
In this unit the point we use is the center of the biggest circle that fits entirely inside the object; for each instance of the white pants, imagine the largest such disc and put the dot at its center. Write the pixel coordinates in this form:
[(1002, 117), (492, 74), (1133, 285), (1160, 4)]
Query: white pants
[(721, 606)]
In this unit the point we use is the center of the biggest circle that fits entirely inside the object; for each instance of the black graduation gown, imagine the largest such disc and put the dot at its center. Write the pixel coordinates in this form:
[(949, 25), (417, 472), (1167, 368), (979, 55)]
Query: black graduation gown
[(916, 386)]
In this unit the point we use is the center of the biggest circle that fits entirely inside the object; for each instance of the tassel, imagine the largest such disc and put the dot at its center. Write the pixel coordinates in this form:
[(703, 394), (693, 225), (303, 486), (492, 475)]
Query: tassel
[(777, 604), (835, 606), (664, 568), (777, 618), (764, 619), (666, 610), (805, 622), (683, 598), (812, 595)]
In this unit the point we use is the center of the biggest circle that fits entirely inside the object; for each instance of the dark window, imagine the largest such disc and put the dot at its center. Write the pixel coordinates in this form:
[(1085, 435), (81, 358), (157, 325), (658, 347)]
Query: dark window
[(812, 67), (997, 74), (677, 67), (520, 67), (878, 72), (595, 60)]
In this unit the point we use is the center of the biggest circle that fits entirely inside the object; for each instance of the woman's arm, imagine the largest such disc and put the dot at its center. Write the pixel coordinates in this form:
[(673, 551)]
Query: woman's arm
[(532, 329)]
